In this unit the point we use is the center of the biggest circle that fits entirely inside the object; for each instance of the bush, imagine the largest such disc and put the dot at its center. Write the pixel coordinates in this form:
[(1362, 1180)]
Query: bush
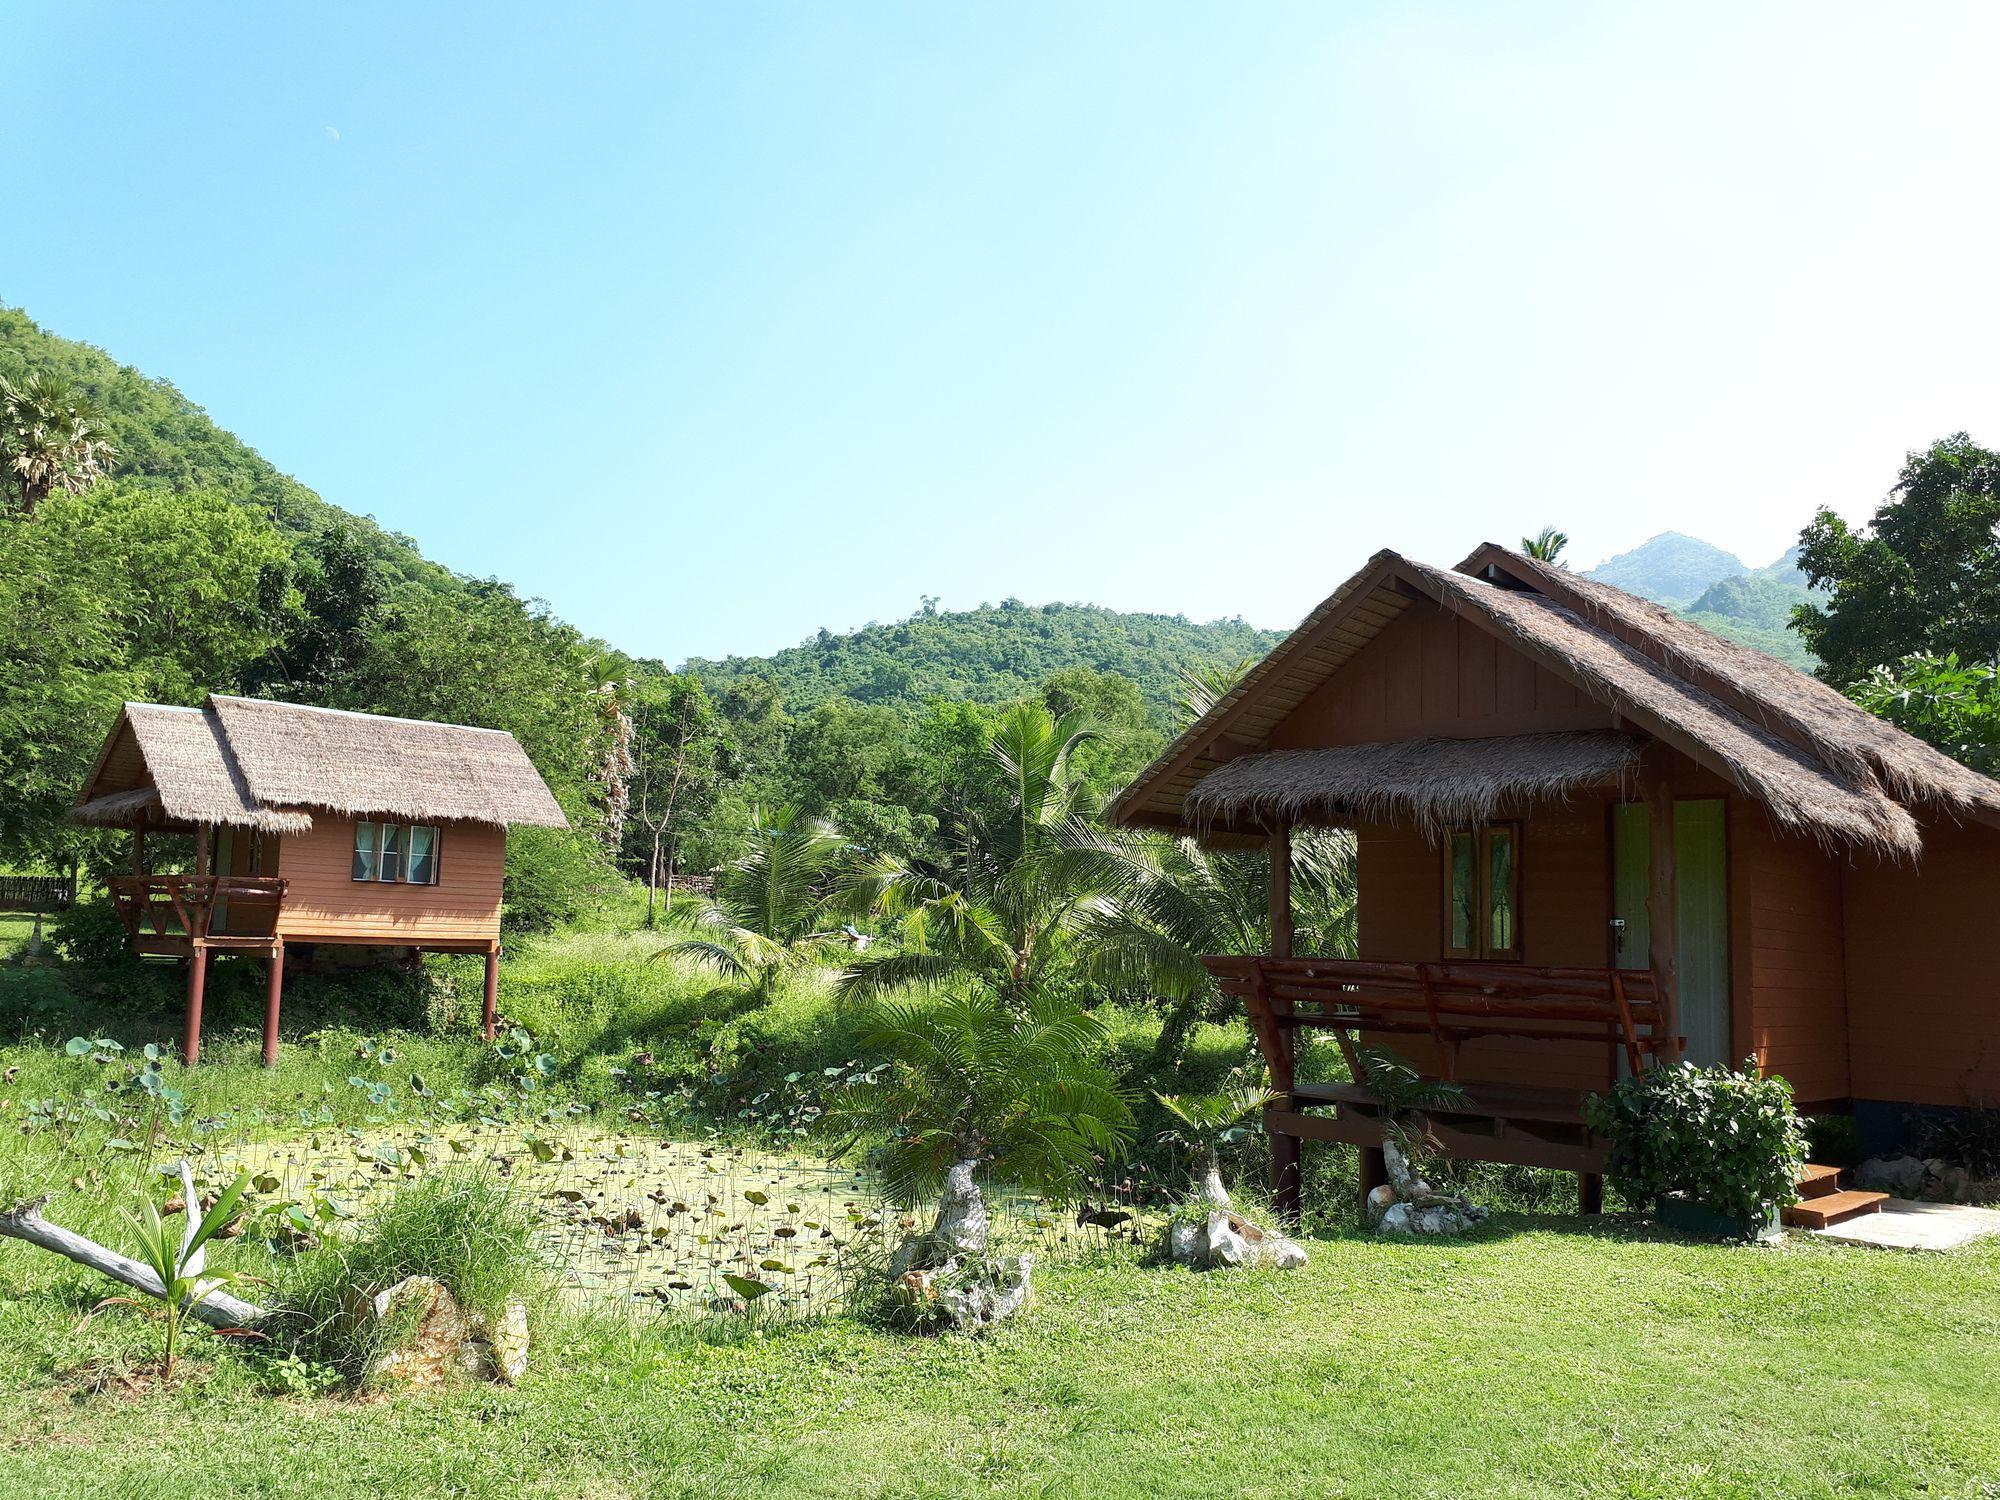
[(553, 876), (89, 933), (1727, 1139), (461, 1225)]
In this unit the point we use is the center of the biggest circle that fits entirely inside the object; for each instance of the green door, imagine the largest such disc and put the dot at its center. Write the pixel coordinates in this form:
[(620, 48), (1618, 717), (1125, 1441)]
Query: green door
[(1701, 913)]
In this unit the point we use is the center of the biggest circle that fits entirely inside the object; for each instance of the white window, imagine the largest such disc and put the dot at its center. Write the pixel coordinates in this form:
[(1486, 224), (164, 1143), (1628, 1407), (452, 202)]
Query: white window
[(403, 854), (423, 865), (364, 850), (392, 852)]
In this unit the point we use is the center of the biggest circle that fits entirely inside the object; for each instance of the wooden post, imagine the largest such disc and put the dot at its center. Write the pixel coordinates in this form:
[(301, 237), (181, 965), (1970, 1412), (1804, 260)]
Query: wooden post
[(201, 843), (197, 981), (1284, 1148), (1590, 1192), (138, 851), (1663, 948), (274, 989), (489, 1010)]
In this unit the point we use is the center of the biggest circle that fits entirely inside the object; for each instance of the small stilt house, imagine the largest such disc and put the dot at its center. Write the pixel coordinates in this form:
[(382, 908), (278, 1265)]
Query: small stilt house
[(1590, 835), (310, 826)]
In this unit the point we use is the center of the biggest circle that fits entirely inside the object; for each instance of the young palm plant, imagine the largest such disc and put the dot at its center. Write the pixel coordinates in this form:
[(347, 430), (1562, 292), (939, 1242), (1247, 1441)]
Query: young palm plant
[(1404, 1094), (1204, 1124), (977, 1084), (178, 1255), (766, 914)]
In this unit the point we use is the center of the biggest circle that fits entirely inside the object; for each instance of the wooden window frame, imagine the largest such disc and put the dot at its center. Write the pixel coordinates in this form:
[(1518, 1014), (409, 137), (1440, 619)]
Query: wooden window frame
[(1481, 950), (379, 865)]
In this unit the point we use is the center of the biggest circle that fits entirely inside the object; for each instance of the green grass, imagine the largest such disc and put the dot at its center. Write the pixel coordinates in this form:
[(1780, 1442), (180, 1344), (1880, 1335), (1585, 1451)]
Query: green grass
[(1540, 1358)]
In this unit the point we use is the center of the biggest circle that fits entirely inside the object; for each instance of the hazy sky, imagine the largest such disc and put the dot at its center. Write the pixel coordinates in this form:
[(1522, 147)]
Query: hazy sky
[(713, 325)]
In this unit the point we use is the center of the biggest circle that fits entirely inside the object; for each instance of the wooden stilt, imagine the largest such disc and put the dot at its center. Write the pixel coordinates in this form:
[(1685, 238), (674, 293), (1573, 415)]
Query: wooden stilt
[(489, 1010), (1282, 1041), (197, 982), (274, 989), (1590, 1192), (1374, 1170)]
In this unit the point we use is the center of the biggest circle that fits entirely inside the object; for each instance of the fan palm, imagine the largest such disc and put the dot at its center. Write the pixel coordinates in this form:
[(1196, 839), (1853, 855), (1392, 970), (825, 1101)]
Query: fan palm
[(976, 1083), (51, 437), (768, 904)]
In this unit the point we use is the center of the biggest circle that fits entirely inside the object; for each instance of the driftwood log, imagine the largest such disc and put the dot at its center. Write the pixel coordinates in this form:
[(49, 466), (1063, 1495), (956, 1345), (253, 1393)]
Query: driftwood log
[(218, 1309)]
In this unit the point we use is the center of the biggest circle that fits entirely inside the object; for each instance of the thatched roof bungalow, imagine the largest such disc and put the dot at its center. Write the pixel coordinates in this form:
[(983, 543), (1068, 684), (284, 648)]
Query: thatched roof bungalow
[(310, 825), (1590, 834)]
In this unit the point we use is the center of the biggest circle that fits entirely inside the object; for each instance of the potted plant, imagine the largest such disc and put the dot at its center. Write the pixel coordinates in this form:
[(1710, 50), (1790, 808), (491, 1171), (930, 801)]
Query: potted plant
[(1716, 1151)]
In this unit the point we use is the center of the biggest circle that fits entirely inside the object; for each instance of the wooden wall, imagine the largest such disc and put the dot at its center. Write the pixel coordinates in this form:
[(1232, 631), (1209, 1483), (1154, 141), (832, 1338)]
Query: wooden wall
[(1789, 969), (1431, 673), (323, 902), (1923, 971)]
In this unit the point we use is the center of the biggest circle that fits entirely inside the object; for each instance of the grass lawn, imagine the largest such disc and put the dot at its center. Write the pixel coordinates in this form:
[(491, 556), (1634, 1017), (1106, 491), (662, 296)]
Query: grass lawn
[(1543, 1357)]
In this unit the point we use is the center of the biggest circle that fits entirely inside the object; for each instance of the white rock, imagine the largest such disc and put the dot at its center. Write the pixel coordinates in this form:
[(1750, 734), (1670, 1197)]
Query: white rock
[(1899, 1176)]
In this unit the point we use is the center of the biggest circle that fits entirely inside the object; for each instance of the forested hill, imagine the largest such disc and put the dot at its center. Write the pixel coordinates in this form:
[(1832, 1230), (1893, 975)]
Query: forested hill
[(163, 439), (991, 654)]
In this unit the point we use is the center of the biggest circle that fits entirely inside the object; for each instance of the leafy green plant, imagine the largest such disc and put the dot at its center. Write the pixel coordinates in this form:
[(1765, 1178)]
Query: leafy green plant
[(178, 1255), (1723, 1137), (1205, 1123), (1404, 1095)]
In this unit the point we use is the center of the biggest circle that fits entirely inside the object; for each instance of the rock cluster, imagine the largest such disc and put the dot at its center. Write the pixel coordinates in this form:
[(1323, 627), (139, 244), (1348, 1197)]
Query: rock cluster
[(1922, 1177), (1407, 1204), (1225, 1238)]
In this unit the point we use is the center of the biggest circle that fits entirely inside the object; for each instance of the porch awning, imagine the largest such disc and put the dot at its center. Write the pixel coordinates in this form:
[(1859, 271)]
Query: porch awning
[(1438, 784)]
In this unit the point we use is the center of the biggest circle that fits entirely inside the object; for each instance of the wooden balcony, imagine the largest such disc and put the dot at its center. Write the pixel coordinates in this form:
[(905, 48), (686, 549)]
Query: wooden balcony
[(176, 914)]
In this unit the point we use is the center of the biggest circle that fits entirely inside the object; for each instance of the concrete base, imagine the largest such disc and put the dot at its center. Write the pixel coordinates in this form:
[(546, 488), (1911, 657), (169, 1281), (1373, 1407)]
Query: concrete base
[(1901, 1224)]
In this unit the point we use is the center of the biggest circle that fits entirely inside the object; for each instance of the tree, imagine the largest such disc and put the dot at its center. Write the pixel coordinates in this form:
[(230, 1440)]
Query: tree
[(976, 1083), (1923, 576), (1545, 545), (768, 903), (52, 438), (1951, 705), (677, 750)]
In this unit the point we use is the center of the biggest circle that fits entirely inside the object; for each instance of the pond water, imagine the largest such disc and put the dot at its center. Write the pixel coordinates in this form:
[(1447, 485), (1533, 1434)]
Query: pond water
[(630, 1220)]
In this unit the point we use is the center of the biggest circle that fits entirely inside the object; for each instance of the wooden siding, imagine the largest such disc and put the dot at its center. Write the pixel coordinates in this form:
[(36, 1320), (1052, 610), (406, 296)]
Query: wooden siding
[(1431, 673), (1923, 972), (1789, 971), (323, 902)]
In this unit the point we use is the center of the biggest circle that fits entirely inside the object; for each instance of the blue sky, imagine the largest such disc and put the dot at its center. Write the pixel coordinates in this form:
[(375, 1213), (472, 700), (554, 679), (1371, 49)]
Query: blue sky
[(713, 325)]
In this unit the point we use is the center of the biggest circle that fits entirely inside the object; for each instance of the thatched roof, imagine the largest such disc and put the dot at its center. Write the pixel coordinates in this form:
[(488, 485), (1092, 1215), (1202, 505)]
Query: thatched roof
[(256, 764), (1438, 784), (1820, 764)]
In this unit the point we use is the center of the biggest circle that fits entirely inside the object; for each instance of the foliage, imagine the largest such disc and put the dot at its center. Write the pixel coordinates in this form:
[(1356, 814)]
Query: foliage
[(52, 438), (990, 655), (1546, 545), (973, 1078), (1205, 1123), (679, 749), (1404, 1095), (768, 902), (1954, 706), (178, 1254), (553, 876), (1968, 1137), (462, 1225), (1923, 576), (1727, 1139)]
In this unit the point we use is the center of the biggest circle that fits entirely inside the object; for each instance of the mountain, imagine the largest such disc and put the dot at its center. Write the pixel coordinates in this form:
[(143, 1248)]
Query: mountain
[(1671, 569), (1714, 588), (992, 654)]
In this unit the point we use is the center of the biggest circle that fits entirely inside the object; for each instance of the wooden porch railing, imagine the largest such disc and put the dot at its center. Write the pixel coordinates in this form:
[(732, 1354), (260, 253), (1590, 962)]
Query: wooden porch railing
[(1449, 1002), (171, 913)]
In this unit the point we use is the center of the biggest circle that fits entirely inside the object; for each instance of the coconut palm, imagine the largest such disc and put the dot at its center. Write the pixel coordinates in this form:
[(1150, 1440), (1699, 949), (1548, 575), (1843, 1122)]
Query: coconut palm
[(1545, 545), (766, 915), (1001, 918), (51, 438), (1200, 688), (978, 1085)]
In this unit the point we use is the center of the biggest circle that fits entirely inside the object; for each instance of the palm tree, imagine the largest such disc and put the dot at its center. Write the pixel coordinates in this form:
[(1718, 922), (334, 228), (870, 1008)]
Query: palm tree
[(978, 1084), (1200, 688), (1545, 545), (768, 904), (51, 438), (1158, 904), (1205, 1123), (1001, 918)]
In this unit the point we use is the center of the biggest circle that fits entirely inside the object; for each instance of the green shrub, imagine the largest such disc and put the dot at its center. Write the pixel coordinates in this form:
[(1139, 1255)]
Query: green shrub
[(90, 933), (553, 876), (1728, 1139), (464, 1226)]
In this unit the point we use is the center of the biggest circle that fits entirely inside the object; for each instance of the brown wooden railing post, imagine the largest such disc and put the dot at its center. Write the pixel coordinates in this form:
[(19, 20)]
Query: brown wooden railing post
[(197, 981)]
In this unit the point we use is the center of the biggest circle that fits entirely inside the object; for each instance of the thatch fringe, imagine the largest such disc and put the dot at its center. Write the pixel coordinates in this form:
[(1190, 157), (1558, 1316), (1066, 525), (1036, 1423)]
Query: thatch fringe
[(1437, 784), (1801, 791), (141, 807)]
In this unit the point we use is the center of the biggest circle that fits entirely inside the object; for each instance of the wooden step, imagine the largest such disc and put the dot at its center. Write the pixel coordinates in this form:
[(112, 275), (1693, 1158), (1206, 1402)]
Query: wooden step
[(1832, 1208), (1817, 1182)]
